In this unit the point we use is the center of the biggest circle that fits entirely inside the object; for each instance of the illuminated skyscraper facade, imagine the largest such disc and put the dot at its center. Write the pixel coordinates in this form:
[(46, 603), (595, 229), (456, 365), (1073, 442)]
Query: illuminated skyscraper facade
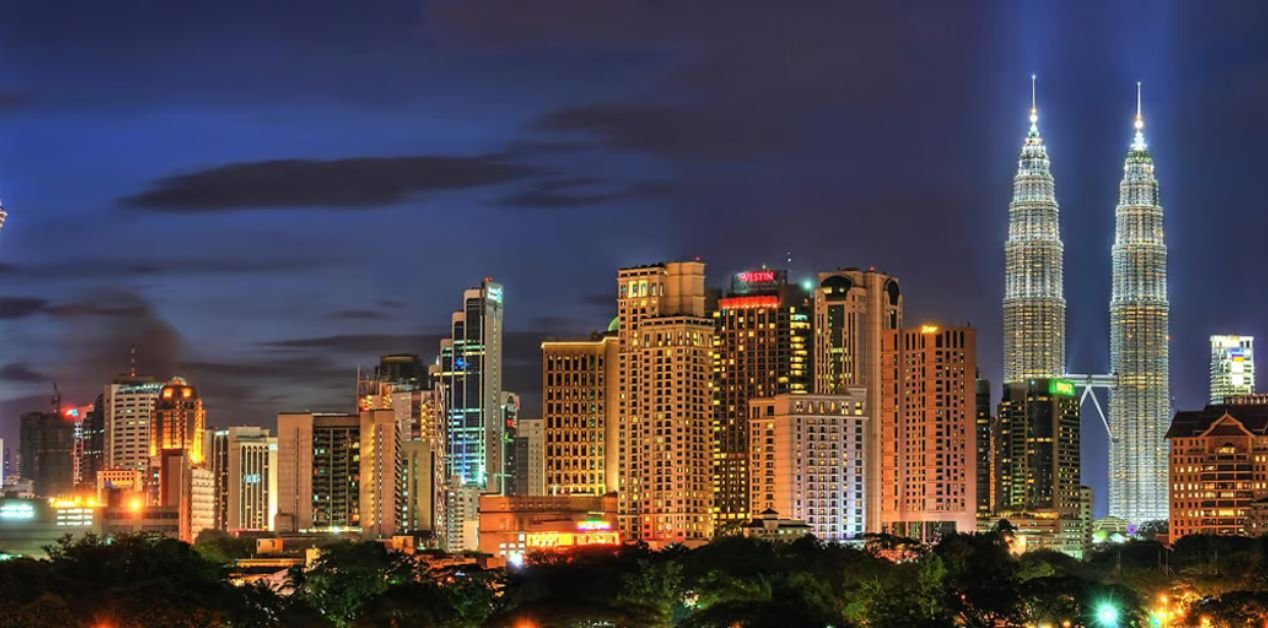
[(243, 463), (853, 310), (470, 370), (318, 471), (929, 454), (1232, 367), (128, 402), (1038, 466), (665, 367), (761, 349), (1034, 296), (1140, 407), (580, 424), (178, 422)]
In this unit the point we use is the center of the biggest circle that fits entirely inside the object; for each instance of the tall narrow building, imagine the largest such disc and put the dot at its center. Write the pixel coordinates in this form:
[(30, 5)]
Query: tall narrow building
[(1139, 358), (580, 424), (853, 310), (761, 349), (470, 370), (666, 341), (1034, 296), (929, 460), (127, 404)]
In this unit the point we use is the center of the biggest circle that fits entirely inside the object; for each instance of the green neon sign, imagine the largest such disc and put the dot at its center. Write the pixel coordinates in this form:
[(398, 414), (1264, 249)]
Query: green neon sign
[(1063, 387)]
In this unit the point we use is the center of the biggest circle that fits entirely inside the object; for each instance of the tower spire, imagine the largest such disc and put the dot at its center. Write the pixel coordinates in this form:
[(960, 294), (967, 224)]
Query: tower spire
[(1034, 106), (1139, 142)]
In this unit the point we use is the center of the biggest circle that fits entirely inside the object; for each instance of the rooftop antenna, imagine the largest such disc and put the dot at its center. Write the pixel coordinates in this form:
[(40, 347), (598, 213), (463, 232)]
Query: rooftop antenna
[(1139, 142)]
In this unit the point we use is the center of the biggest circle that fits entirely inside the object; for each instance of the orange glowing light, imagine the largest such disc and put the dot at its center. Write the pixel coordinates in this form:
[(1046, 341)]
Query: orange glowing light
[(135, 505)]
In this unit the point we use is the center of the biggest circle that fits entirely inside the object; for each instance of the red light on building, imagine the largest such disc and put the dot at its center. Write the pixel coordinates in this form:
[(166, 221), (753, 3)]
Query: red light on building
[(749, 303), (756, 276)]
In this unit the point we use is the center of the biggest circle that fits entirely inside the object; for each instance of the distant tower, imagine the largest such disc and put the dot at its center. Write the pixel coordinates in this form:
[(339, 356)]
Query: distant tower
[(1232, 367), (3, 214), (1034, 297), (1140, 408)]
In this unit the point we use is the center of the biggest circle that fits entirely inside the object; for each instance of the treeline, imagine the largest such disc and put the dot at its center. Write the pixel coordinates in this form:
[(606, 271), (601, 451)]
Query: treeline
[(965, 580)]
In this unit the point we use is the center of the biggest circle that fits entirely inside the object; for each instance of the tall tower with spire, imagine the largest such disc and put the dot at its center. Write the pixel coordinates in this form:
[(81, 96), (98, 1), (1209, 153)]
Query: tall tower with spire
[(1034, 294), (1139, 357)]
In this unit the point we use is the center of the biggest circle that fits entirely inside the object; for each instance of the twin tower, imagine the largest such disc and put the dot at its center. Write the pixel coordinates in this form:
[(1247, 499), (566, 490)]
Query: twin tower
[(1034, 314)]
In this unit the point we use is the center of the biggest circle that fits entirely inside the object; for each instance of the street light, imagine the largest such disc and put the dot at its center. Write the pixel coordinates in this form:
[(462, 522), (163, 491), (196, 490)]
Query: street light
[(1107, 614)]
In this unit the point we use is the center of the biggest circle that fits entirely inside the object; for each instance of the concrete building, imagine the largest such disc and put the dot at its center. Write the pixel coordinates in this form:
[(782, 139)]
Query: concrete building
[(511, 528), (807, 456), (462, 518), (768, 526), (985, 434), (128, 402), (530, 460), (47, 443), (470, 370), (243, 462), (1232, 367), (929, 457), (318, 472), (761, 349), (580, 420), (853, 310), (1218, 468), (90, 444), (665, 373), (1140, 401), (382, 482), (188, 489)]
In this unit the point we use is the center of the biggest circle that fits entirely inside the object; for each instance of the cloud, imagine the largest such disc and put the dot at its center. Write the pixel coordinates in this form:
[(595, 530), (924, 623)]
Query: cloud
[(12, 308), (369, 344), (20, 372), (366, 315), (550, 194), (11, 100), (127, 310), (343, 184), (92, 268)]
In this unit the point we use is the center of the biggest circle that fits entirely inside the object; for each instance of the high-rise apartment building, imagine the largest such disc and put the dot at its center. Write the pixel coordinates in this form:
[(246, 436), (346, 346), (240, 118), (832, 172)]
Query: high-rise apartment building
[(127, 403), (580, 420), (853, 310), (318, 471), (530, 474), (47, 445), (1034, 292), (424, 454), (243, 463), (512, 465), (1140, 401), (1218, 468), (761, 349), (929, 456), (470, 370), (807, 460), (1038, 467), (1232, 367), (665, 369)]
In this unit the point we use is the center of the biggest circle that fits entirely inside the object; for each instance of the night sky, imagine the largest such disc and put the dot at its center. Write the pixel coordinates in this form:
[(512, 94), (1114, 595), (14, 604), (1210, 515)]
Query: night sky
[(264, 195)]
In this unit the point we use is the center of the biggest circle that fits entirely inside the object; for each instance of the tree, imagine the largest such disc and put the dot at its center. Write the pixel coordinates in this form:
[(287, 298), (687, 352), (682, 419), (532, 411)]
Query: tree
[(347, 575), (220, 548), (653, 591)]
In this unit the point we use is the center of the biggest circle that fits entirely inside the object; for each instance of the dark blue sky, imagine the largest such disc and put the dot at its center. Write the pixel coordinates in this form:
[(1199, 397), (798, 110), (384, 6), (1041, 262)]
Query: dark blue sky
[(263, 195)]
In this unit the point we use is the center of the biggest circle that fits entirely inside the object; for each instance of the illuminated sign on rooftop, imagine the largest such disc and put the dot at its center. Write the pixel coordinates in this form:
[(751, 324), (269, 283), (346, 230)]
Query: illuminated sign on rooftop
[(1063, 387), (759, 280)]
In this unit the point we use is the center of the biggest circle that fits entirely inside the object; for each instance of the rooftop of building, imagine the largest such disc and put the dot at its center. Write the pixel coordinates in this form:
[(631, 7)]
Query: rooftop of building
[(1253, 417)]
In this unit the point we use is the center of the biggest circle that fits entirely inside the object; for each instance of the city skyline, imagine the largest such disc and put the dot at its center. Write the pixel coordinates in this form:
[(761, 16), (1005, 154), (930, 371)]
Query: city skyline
[(107, 262)]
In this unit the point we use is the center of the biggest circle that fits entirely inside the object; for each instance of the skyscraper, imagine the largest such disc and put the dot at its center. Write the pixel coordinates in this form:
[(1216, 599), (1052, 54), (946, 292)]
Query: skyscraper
[(47, 443), (128, 402), (1139, 334), (853, 310), (1232, 367), (1034, 297), (929, 457), (178, 422), (243, 462), (1038, 469), (665, 403), (90, 436), (985, 435), (381, 469), (579, 415), (470, 369), (761, 349)]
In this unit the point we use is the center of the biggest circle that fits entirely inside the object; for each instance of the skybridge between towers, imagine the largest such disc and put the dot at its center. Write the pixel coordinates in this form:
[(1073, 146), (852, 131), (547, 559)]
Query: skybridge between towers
[(1089, 383)]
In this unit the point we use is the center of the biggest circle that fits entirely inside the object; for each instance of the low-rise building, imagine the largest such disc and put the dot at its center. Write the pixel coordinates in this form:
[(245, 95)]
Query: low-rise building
[(1218, 468), (769, 527), (514, 527)]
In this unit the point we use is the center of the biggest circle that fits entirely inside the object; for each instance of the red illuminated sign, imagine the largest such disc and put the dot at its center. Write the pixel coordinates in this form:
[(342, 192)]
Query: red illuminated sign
[(756, 276), (749, 303)]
